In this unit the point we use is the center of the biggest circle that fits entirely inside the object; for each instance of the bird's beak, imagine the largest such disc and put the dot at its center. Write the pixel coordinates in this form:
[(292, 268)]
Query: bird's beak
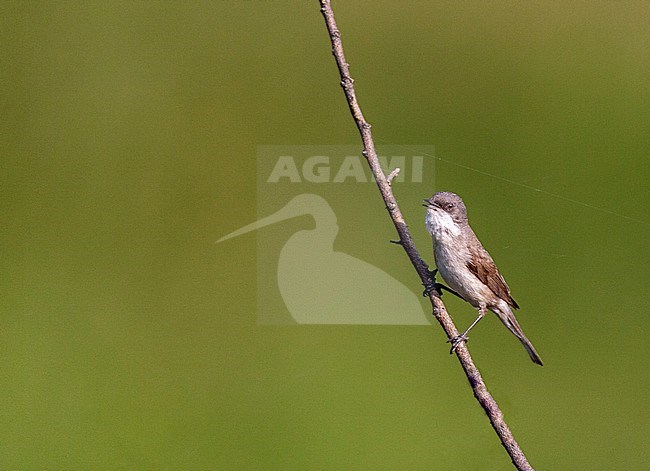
[(429, 204)]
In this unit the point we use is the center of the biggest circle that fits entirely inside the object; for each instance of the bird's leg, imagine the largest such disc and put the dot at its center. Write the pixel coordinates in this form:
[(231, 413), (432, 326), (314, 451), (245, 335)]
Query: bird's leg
[(441, 286), (482, 310), (435, 286)]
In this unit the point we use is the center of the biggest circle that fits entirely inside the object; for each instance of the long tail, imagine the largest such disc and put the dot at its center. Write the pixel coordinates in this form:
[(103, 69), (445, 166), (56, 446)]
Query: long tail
[(510, 321)]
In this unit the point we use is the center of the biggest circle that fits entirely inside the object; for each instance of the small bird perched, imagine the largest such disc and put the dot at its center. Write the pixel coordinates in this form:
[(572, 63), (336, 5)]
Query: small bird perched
[(468, 268)]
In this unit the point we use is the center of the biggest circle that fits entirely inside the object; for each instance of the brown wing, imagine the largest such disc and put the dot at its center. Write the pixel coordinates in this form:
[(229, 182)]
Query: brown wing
[(482, 265)]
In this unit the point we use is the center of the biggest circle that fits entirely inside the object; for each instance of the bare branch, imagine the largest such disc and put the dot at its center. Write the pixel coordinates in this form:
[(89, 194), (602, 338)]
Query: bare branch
[(392, 175), (474, 377)]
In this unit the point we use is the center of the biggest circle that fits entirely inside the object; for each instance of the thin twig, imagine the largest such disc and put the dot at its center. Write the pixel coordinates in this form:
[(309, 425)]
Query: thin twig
[(392, 175), (439, 311)]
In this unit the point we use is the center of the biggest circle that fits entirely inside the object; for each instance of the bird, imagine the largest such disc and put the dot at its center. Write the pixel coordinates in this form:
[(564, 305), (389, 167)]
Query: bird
[(468, 268)]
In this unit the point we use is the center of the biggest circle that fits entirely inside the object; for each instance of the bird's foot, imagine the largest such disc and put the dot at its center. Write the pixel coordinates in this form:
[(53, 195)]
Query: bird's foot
[(437, 288), (455, 342), (431, 286)]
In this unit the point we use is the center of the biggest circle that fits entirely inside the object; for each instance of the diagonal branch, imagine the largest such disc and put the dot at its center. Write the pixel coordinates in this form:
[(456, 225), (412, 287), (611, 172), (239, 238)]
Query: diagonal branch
[(481, 392)]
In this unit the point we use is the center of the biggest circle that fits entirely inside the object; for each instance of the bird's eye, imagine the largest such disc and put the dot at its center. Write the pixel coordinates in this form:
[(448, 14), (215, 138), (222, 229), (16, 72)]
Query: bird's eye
[(450, 205)]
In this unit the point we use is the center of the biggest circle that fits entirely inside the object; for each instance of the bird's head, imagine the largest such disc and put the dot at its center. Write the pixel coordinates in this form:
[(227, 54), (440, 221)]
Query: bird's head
[(445, 204)]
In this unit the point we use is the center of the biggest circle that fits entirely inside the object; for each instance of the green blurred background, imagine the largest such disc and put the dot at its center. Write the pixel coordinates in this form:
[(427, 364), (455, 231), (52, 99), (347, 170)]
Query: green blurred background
[(129, 339)]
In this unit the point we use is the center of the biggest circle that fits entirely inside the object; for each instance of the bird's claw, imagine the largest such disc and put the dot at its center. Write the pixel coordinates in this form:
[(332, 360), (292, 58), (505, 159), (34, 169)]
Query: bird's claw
[(433, 286), (455, 342)]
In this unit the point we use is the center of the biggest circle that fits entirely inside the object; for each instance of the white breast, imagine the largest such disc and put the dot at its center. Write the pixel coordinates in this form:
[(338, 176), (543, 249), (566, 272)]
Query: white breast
[(450, 253), (440, 224)]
